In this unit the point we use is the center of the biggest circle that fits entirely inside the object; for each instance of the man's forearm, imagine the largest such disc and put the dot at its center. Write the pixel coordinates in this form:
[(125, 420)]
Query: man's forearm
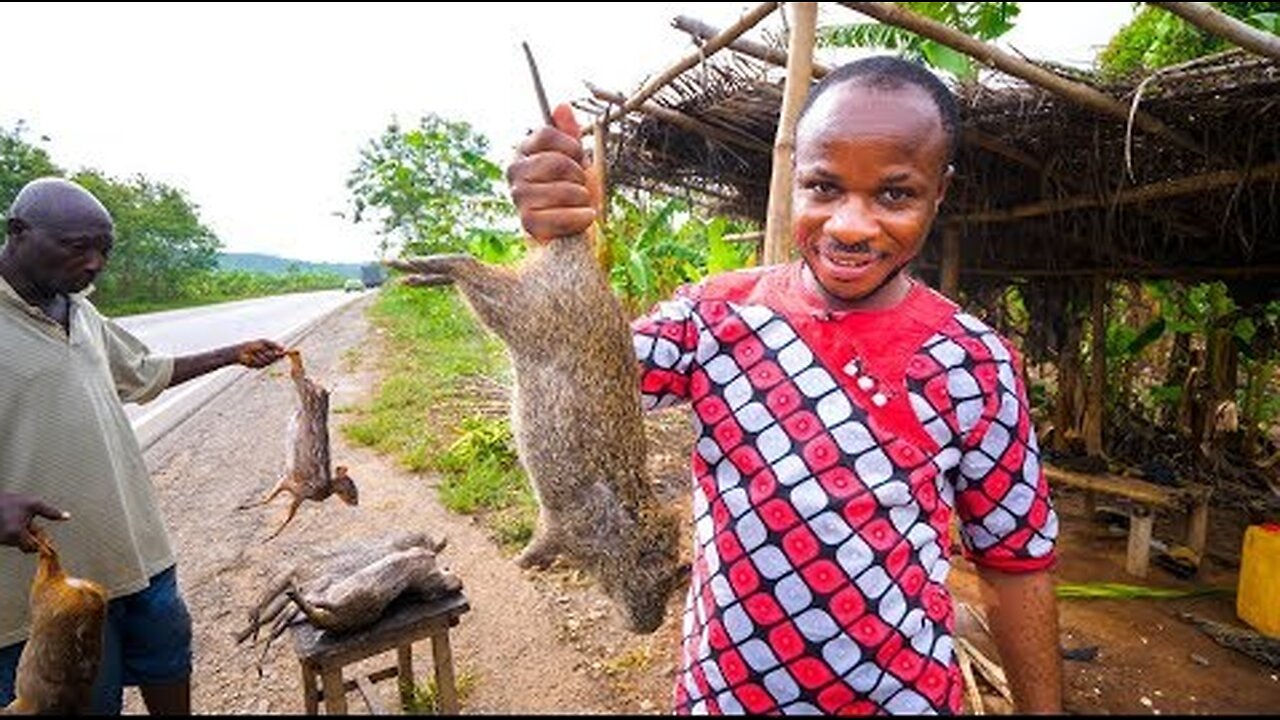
[(193, 366), (1024, 621)]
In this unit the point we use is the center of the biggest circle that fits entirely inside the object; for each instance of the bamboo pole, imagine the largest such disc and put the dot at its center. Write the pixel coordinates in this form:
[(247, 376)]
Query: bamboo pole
[(1216, 22), (679, 119), (744, 23), (992, 56), (1142, 193), (1093, 408), (777, 234)]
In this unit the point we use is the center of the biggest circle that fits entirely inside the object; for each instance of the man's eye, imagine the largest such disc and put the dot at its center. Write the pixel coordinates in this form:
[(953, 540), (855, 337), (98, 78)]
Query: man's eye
[(896, 195)]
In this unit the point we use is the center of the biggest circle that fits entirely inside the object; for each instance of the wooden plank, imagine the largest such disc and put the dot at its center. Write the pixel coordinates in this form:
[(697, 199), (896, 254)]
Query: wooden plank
[(1138, 558), (405, 620), (370, 696), (1132, 488)]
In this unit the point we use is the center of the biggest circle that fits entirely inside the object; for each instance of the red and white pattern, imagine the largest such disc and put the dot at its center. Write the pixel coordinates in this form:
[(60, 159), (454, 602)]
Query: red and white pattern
[(832, 452)]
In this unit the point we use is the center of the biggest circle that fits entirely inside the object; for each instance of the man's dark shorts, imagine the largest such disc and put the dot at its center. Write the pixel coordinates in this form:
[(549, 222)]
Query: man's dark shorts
[(148, 642)]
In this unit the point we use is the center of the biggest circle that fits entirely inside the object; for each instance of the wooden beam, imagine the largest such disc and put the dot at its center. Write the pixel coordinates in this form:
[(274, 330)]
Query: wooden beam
[(992, 56), (1095, 397), (746, 237), (702, 31), (777, 233), (744, 23), (1216, 22), (1141, 193), (681, 120)]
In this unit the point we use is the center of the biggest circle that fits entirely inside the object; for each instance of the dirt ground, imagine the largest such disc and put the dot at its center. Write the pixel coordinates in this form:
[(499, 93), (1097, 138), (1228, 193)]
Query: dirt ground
[(549, 642)]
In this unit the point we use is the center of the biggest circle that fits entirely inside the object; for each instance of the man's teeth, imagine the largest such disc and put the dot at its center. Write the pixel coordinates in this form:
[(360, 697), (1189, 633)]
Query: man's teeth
[(851, 262)]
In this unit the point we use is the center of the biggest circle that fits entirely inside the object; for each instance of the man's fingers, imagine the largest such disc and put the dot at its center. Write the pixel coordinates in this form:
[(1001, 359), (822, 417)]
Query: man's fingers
[(549, 139), (546, 225), (48, 511), (564, 119), (563, 195), (545, 167)]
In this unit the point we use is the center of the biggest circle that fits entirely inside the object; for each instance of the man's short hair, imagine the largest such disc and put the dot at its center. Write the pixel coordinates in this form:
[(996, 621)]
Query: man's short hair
[(887, 72)]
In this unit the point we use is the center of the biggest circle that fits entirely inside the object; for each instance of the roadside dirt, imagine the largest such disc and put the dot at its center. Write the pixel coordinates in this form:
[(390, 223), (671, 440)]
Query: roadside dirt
[(549, 642)]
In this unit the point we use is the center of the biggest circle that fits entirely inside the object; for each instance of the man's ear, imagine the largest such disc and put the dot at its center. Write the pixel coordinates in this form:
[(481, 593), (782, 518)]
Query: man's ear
[(943, 184), (14, 226)]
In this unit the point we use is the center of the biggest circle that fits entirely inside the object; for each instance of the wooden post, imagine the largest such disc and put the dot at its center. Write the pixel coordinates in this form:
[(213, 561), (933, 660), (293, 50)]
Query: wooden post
[(949, 280), (1067, 407), (1093, 411), (1139, 555), (446, 689), (778, 240), (310, 692), (404, 674), (1198, 526), (335, 692), (604, 249)]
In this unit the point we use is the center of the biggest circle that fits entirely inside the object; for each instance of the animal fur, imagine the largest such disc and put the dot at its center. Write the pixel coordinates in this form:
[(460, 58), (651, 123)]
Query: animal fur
[(60, 660), (576, 418), (307, 474), (349, 586)]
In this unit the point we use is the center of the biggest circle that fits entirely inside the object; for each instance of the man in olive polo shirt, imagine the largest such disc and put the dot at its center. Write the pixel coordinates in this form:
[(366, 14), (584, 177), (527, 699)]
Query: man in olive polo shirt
[(66, 446)]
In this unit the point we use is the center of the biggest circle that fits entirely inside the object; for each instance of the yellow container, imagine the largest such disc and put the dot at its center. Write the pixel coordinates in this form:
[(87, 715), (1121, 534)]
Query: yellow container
[(1258, 595)]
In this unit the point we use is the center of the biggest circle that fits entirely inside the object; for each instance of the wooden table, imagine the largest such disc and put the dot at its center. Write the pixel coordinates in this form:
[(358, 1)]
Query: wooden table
[(323, 654)]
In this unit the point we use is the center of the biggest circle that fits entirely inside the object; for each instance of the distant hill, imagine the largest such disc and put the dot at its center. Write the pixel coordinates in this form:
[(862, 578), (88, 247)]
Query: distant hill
[(257, 262)]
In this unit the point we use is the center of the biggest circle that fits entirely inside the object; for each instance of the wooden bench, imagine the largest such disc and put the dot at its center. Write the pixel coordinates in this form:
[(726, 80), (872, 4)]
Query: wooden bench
[(1192, 502), (323, 654)]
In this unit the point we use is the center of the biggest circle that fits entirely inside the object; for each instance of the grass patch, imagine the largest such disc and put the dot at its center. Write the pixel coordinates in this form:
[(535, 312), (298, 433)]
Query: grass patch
[(426, 698), (442, 406)]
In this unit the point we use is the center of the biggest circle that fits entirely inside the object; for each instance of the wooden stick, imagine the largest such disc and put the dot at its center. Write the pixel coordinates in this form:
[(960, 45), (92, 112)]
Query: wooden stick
[(681, 120), (1097, 388), (992, 56), (970, 683), (701, 30), (1142, 193), (1216, 22), (988, 668), (777, 233), (745, 23)]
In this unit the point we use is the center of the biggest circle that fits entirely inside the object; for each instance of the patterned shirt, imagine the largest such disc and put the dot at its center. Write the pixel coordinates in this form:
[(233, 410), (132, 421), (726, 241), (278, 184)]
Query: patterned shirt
[(832, 450)]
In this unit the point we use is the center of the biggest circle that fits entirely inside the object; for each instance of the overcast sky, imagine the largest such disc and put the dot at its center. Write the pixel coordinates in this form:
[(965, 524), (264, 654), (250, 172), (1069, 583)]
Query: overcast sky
[(258, 110)]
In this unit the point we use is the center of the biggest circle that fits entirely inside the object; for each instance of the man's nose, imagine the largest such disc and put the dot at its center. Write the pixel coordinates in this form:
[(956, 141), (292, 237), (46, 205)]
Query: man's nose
[(94, 261), (853, 220)]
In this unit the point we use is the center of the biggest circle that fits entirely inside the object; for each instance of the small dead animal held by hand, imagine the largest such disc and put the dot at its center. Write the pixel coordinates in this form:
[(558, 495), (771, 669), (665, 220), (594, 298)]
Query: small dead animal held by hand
[(307, 474), (60, 660), (576, 415)]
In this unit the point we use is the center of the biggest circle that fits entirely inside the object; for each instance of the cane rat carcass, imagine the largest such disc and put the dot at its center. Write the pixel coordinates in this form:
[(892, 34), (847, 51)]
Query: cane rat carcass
[(576, 415)]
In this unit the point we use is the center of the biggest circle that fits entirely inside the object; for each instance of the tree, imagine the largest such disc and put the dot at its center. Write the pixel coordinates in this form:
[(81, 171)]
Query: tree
[(982, 20), (432, 186), (1156, 38), (160, 240), (20, 163)]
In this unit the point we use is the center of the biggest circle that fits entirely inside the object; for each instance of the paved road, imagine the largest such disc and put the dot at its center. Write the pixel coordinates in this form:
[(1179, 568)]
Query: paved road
[(281, 318)]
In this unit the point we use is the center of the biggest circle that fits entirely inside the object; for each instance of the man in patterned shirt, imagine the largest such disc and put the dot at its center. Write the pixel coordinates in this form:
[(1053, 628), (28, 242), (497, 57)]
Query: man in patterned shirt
[(845, 413)]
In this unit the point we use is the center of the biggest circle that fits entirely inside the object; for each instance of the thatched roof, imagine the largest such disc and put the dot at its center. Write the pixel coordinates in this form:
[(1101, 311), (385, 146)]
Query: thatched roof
[(1042, 189)]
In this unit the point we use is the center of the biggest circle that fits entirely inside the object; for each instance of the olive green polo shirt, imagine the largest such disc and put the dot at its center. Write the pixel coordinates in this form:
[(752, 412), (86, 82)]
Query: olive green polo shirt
[(64, 438)]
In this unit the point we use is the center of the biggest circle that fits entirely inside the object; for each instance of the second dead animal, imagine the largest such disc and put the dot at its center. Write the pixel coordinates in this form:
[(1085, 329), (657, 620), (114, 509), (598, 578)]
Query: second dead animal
[(307, 473)]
